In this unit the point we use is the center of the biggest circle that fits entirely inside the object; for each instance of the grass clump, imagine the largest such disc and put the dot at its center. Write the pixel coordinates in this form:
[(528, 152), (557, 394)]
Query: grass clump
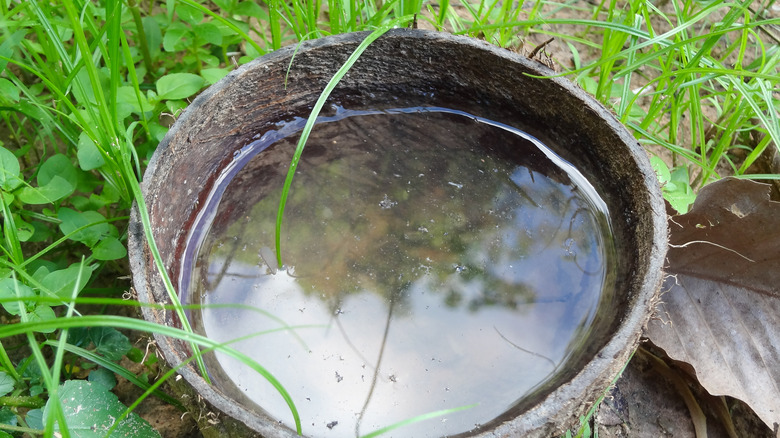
[(88, 89)]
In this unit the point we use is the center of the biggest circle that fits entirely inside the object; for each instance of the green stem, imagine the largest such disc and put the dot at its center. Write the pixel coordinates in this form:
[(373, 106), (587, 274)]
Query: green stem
[(22, 401), (139, 25), (27, 430), (5, 361)]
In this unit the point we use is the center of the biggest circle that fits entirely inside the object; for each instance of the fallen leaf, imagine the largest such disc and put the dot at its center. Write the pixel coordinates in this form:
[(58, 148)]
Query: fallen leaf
[(720, 310)]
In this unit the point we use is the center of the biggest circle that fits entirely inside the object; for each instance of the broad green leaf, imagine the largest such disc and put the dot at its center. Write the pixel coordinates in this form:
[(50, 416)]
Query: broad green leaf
[(189, 14), (32, 373), (178, 85), (209, 33), (9, 170), (72, 220), (42, 232), (681, 199), (6, 383), (9, 89), (588, 84), (6, 48), (9, 287), (95, 201), (661, 169), (110, 343), (210, 61), (82, 203), (127, 96), (678, 190), (40, 272), (63, 282), (213, 75), (42, 313), (177, 37), (225, 5), (34, 419), (56, 189), (153, 35), (24, 229), (252, 9), (102, 376), (82, 87), (91, 410), (65, 33), (109, 194), (57, 165), (158, 131), (79, 336), (88, 154), (109, 248), (7, 416), (135, 354), (175, 107)]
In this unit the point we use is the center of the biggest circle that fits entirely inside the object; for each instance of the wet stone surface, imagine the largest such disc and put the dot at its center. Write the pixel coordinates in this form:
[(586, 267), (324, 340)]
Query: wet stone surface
[(432, 260)]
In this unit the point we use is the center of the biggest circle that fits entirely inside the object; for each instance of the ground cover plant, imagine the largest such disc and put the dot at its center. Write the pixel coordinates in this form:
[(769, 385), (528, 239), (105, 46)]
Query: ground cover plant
[(88, 89)]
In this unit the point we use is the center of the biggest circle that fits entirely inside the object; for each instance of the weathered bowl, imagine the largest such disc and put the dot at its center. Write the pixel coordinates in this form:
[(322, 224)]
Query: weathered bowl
[(425, 68)]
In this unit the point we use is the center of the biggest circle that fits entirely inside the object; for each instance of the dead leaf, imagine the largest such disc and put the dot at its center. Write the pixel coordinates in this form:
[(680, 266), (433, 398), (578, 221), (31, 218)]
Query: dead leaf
[(720, 311)]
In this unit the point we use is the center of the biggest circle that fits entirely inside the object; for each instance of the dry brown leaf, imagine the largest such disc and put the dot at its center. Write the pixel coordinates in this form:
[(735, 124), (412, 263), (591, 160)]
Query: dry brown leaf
[(720, 312)]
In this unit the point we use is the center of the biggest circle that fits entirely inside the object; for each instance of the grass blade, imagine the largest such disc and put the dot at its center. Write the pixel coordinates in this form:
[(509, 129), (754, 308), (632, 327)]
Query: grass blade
[(416, 419), (334, 81)]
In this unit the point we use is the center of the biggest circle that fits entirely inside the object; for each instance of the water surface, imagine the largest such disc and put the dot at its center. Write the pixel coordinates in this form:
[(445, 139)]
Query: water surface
[(432, 260)]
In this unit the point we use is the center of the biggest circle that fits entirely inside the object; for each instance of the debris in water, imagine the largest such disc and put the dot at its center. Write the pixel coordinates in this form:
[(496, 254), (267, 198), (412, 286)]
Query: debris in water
[(386, 203), (267, 254)]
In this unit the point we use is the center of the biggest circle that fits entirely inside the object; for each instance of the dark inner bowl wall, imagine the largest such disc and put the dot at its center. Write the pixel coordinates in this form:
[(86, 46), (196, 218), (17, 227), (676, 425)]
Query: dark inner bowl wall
[(471, 77)]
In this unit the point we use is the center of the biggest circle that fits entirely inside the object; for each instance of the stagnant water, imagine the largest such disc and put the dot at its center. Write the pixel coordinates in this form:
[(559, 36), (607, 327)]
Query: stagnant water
[(432, 260)]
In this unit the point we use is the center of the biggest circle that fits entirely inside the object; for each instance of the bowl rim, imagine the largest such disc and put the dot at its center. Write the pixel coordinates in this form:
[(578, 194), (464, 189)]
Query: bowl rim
[(559, 407)]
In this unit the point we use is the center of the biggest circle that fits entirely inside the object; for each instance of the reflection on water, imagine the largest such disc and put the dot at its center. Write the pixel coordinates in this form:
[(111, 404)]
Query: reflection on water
[(437, 260)]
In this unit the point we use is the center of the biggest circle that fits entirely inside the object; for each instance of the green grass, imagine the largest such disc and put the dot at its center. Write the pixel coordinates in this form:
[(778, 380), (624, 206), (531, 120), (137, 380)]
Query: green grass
[(88, 89)]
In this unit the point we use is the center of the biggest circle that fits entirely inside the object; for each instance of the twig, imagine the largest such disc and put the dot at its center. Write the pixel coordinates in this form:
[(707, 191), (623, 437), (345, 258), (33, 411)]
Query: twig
[(714, 244), (538, 48)]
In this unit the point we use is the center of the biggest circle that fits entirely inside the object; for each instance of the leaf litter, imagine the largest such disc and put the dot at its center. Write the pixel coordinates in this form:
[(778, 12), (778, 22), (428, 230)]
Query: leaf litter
[(720, 303)]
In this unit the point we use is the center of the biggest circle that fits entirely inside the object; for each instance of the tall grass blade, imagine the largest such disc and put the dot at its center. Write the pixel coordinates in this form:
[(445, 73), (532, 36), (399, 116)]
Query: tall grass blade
[(334, 81), (27, 327), (416, 419)]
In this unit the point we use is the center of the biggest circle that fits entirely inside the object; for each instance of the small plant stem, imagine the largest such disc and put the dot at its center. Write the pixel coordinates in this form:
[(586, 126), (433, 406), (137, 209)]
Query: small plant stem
[(26, 430), (195, 52), (14, 248), (274, 17), (21, 401), (5, 361), (139, 25)]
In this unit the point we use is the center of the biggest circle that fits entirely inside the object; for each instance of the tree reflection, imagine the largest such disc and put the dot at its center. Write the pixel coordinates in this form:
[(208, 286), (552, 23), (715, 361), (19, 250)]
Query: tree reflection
[(477, 220), (386, 210)]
